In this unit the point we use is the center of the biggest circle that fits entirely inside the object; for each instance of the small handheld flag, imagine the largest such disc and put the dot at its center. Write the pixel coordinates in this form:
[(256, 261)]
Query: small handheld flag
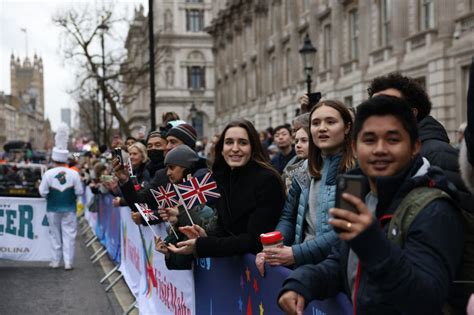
[(198, 190), (143, 212), (165, 196)]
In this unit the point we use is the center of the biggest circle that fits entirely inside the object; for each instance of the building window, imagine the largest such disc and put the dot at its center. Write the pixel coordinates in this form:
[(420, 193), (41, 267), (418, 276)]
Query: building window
[(327, 47), (427, 14), (354, 34), (196, 77), (194, 20), (198, 123), (385, 16)]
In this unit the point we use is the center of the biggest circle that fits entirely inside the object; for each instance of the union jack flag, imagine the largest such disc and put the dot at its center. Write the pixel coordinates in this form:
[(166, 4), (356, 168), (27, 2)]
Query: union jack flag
[(146, 213), (165, 196), (198, 190)]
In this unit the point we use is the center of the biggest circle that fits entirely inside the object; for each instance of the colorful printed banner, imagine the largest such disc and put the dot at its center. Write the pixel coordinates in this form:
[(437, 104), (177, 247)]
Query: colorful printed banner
[(132, 259), (217, 286), (164, 291), (24, 229)]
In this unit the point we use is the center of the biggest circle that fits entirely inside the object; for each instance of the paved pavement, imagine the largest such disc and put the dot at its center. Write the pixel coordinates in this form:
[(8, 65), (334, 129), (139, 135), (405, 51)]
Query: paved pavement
[(34, 288)]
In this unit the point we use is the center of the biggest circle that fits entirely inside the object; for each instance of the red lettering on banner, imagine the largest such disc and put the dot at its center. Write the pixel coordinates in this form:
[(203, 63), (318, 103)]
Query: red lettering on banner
[(171, 298)]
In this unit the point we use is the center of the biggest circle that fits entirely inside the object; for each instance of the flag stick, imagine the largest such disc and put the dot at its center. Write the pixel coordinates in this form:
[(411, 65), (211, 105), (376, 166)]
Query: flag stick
[(172, 229), (184, 204)]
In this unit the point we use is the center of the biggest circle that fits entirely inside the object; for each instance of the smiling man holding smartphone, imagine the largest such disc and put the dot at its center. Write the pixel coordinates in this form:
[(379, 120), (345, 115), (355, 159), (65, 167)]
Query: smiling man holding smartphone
[(378, 274)]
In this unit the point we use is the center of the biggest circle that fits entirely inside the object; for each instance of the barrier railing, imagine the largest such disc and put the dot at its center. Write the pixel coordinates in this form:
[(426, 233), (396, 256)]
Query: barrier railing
[(215, 286)]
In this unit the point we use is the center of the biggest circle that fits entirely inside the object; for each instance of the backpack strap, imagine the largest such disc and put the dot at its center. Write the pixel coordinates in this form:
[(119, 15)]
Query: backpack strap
[(415, 201)]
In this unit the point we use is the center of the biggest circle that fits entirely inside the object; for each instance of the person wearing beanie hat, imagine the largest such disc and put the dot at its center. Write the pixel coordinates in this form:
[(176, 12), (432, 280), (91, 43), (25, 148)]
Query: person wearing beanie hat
[(179, 162), (181, 134)]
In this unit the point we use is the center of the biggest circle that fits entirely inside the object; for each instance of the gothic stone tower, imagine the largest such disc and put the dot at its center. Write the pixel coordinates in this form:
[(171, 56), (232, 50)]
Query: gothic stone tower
[(27, 87), (27, 90)]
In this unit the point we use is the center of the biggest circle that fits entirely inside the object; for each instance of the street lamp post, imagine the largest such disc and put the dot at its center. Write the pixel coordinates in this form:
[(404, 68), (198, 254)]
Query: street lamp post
[(151, 44), (104, 28), (193, 112), (308, 53)]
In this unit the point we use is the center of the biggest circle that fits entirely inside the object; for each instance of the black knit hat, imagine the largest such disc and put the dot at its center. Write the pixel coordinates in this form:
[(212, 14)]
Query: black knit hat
[(185, 133)]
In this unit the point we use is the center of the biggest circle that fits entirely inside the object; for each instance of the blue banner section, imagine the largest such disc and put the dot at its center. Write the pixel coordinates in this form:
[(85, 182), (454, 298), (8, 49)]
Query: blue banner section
[(234, 286), (108, 227)]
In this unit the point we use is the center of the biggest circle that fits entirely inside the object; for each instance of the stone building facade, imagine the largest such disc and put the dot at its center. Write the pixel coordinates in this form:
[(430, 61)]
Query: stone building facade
[(184, 64), (259, 71), (22, 112)]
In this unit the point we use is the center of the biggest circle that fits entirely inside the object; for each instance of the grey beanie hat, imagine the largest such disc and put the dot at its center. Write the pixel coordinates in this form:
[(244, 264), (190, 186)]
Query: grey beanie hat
[(182, 155)]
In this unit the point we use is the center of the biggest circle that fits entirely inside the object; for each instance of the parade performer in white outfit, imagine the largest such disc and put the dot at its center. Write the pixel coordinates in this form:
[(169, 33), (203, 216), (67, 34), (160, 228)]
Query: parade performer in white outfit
[(61, 186)]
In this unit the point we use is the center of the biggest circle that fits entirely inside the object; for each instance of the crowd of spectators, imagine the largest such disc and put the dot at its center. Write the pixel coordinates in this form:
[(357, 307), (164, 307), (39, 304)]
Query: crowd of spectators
[(285, 179)]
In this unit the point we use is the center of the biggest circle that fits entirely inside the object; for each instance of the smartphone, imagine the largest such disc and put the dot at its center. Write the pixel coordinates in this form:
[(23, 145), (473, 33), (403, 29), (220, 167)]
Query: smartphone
[(121, 155), (313, 99), (353, 184)]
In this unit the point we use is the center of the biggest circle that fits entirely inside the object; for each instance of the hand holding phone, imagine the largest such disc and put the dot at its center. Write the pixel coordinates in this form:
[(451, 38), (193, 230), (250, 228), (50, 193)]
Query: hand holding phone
[(352, 184), (121, 155)]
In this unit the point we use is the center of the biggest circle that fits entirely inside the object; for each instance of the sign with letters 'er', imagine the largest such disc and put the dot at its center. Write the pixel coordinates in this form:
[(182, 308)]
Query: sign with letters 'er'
[(24, 230)]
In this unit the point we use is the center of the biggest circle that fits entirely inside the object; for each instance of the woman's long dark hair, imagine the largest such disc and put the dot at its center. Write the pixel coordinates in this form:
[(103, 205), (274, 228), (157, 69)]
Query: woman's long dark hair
[(315, 159), (258, 154)]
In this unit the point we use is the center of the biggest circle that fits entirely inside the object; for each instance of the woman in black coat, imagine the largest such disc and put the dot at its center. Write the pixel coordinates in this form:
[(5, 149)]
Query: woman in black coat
[(252, 197)]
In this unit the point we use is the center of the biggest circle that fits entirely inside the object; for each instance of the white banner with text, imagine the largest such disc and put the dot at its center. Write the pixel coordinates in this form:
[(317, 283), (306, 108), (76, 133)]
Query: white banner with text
[(24, 229)]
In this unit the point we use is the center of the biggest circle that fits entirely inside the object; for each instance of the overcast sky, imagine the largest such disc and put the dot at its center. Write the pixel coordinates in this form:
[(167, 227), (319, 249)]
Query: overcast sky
[(43, 38)]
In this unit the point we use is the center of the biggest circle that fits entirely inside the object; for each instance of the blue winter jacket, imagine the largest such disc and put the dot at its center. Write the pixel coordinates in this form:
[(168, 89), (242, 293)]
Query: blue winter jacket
[(292, 220)]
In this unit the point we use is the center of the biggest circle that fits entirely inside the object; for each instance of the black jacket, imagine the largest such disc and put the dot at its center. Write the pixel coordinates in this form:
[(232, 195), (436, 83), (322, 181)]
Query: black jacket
[(436, 148), (251, 201), (415, 279), (280, 160)]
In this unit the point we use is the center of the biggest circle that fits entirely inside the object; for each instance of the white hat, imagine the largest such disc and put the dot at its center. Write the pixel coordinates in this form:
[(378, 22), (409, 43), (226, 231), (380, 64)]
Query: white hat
[(60, 155), (60, 151)]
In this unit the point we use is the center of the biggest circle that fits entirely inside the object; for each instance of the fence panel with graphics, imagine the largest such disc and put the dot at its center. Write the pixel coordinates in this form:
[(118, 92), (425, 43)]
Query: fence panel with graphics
[(217, 285), (234, 286)]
